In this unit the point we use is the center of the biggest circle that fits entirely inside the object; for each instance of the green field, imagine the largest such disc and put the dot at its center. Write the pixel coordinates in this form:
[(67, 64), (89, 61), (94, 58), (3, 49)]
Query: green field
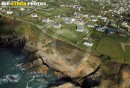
[(110, 47), (127, 53)]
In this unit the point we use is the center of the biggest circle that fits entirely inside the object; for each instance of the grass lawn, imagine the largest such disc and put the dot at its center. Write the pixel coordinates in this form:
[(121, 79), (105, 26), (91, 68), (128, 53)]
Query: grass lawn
[(120, 38), (110, 47), (128, 41), (30, 30), (127, 53), (65, 35)]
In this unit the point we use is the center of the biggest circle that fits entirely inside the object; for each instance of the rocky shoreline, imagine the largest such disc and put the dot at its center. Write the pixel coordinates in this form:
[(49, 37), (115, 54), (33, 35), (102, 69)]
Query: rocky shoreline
[(88, 73)]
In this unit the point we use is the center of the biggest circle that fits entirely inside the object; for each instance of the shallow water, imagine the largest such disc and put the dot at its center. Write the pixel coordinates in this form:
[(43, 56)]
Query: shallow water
[(10, 65)]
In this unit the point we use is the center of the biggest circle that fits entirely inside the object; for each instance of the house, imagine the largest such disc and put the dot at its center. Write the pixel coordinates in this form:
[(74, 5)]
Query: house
[(110, 31), (92, 16), (34, 15), (113, 23), (75, 13), (99, 16), (46, 20), (73, 19), (90, 24), (104, 18), (80, 21), (22, 9), (57, 25), (88, 43), (100, 29), (29, 10), (94, 19), (58, 16), (122, 33), (80, 28), (68, 21), (9, 12), (124, 23), (86, 16)]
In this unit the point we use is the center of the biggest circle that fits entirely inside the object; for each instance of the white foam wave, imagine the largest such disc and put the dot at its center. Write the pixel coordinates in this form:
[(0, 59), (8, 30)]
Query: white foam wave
[(18, 58), (30, 81), (10, 78), (19, 66), (13, 78)]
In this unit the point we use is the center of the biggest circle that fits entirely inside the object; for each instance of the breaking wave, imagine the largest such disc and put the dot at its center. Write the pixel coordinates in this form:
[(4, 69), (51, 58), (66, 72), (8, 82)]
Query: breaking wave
[(10, 78)]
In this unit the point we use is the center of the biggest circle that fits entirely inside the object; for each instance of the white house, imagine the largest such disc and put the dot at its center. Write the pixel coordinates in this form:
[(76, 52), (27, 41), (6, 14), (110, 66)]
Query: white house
[(57, 25), (99, 16), (9, 12), (94, 19), (89, 24), (88, 43), (46, 20), (104, 18), (58, 16), (34, 15), (73, 19), (80, 28), (22, 9), (86, 16), (75, 13), (92, 16), (68, 21), (124, 24), (81, 22)]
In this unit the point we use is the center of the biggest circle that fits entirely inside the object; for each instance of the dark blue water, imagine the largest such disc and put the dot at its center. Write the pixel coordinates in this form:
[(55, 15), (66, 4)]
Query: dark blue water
[(10, 64)]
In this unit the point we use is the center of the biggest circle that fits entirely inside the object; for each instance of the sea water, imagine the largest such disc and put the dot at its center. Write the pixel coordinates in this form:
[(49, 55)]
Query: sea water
[(12, 75)]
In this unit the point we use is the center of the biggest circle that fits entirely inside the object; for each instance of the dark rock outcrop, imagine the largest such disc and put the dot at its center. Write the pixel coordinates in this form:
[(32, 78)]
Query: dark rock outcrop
[(11, 41)]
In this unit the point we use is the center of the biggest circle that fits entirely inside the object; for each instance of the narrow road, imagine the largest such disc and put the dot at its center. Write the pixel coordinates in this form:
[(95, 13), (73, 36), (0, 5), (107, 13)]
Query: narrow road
[(42, 28)]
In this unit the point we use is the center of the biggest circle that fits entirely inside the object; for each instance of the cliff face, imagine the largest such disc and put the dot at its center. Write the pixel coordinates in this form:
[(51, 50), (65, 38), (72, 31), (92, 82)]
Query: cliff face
[(86, 66), (66, 85), (12, 41), (125, 77), (68, 61), (85, 69)]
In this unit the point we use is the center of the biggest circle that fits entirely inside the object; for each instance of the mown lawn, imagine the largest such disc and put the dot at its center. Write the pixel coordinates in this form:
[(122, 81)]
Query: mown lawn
[(110, 47)]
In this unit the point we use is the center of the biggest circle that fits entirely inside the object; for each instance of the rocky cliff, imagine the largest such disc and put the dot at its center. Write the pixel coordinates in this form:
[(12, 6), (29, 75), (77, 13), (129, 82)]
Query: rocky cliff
[(11, 41)]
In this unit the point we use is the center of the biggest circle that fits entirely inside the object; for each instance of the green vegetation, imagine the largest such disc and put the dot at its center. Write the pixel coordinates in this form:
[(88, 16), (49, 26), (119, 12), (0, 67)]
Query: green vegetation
[(110, 47), (127, 53), (29, 30)]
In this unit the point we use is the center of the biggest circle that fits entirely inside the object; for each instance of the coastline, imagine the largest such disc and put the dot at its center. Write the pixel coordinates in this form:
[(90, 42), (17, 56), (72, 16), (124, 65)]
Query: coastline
[(40, 55)]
